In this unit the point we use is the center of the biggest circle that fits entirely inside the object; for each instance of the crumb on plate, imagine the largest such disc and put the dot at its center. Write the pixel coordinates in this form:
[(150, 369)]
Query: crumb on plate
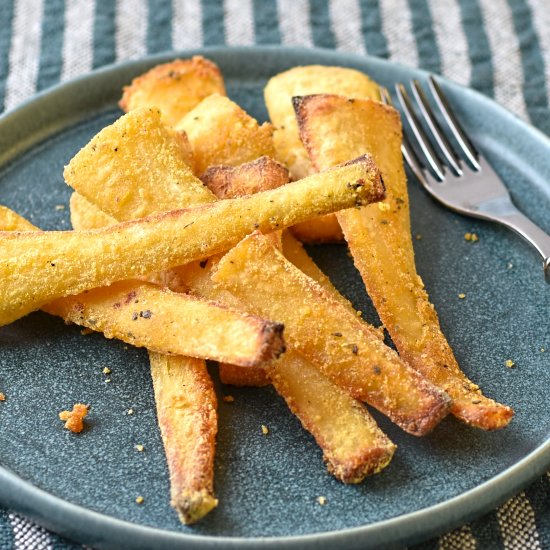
[(74, 420)]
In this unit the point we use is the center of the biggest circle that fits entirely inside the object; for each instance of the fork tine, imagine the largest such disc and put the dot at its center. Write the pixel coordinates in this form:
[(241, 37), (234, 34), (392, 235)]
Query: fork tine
[(418, 132), (460, 135), (408, 152), (443, 143)]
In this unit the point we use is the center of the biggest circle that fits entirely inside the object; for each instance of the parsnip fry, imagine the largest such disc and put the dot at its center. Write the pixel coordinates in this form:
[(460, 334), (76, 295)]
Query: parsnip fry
[(186, 413), (353, 445), (300, 81), (146, 316), (175, 88), (220, 132), (333, 129), (136, 161), (325, 332), (38, 267)]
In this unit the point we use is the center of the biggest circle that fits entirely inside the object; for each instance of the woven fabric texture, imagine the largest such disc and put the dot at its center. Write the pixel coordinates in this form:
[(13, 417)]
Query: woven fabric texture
[(499, 47)]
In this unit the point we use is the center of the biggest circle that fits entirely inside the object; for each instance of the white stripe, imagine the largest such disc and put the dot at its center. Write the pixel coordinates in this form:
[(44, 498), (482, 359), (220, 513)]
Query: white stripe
[(397, 28), (461, 538), (78, 38), (294, 22), (345, 20), (24, 56), (131, 29), (451, 40), (541, 21), (187, 31), (503, 42), (28, 535), (517, 524), (239, 22)]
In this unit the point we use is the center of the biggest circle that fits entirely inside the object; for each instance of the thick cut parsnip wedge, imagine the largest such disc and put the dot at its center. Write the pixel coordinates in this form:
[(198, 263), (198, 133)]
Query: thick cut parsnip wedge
[(175, 88), (227, 182), (136, 161), (220, 132), (38, 267), (334, 128), (186, 413), (300, 81), (179, 382), (352, 443), (144, 315), (325, 332)]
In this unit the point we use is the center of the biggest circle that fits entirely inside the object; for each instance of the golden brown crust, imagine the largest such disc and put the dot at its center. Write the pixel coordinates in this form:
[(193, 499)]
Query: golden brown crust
[(175, 88), (227, 182), (334, 128), (187, 415), (353, 445), (235, 375), (220, 132), (324, 331), (42, 266)]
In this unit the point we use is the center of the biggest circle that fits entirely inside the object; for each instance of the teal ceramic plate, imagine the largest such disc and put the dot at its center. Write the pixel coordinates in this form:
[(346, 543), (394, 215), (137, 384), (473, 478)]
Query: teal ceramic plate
[(85, 487)]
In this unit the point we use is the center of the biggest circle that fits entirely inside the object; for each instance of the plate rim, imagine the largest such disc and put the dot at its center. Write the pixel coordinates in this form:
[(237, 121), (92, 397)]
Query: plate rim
[(81, 523)]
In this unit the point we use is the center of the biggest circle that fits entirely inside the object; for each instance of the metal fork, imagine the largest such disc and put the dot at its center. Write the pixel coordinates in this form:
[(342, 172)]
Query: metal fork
[(466, 182)]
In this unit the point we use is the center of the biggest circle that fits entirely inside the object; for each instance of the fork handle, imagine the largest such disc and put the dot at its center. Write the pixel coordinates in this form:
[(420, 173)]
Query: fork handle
[(533, 234)]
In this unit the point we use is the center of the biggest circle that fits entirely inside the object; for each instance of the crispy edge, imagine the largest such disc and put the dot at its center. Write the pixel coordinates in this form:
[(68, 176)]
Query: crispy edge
[(228, 182), (316, 401), (187, 416), (434, 358), (256, 273), (175, 87)]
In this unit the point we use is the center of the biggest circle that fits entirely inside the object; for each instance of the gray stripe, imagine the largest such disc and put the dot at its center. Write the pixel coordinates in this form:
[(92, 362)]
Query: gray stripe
[(320, 24), (266, 27), (455, 63), (104, 33), (371, 23), (212, 23), (397, 28), (295, 30), (238, 22), (131, 29), (422, 24), (24, 52), (187, 32), (78, 42), (534, 89), (159, 28), (49, 68), (345, 19), (478, 47)]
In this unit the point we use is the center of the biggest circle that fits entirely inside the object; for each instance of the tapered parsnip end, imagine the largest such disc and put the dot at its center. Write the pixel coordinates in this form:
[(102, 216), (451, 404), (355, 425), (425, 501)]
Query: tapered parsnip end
[(175, 88), (220, 132), (236, 181), (192, 506), (353, 445), (134, 167), (186, 411), (328, 334)]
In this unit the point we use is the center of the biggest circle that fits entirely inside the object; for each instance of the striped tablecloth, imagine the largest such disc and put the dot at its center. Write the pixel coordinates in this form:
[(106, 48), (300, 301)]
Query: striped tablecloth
[(499, 47)]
